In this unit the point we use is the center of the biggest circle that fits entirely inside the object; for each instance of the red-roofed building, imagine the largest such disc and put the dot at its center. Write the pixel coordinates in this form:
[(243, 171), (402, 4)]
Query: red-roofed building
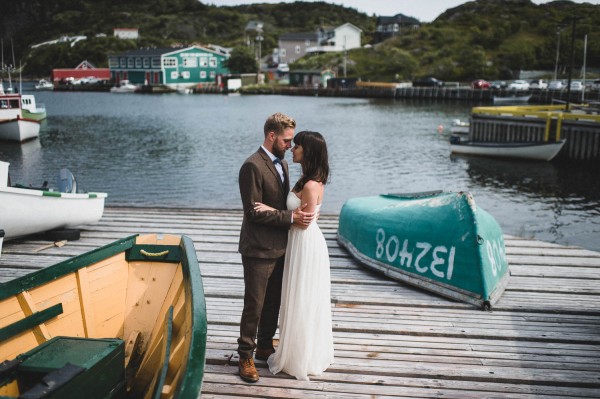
[(83, 70)]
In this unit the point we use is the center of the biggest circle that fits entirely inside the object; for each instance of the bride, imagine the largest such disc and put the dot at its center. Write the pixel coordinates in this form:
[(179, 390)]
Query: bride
[(305, 330)]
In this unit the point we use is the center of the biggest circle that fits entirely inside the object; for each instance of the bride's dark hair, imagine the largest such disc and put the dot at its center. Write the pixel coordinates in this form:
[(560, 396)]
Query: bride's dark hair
[(315, 164)]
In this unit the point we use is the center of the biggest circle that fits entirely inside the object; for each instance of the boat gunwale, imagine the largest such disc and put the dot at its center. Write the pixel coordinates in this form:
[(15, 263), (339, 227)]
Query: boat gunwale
[(41, 192), (50, 273), (191, 383)]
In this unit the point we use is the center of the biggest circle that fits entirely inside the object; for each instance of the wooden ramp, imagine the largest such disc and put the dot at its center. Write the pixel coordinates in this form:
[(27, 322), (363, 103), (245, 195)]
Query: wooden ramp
[(542, 340)]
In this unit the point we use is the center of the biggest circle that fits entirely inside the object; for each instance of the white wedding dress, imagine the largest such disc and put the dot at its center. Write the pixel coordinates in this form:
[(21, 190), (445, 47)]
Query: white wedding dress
[(305, 331)]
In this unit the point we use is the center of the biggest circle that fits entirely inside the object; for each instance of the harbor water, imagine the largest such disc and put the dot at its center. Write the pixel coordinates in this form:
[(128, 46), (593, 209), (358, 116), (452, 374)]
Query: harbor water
[(176, 150)]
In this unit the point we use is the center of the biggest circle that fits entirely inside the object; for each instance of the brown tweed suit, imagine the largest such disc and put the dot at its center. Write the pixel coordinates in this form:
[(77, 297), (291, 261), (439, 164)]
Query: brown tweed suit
[(263, 240)]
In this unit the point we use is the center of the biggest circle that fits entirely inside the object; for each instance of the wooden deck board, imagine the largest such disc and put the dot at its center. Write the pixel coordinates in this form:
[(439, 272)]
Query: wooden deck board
[(542, 340)]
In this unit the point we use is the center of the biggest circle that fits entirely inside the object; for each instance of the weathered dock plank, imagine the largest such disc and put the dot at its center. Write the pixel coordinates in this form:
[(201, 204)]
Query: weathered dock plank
[(542, 340)]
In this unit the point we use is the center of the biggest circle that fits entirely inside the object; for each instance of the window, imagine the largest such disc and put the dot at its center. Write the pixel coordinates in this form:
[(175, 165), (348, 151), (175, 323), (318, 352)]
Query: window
[(282, 52), (146, 63), (174, 75), (185, 74), (113, 63), (155, 62), (213, 74), (130, 62), (307, 42), (138, 62), (123, 62), (189, 62), (169, 62), (212, 62), (203, 62), (297, 49), (202, 74)]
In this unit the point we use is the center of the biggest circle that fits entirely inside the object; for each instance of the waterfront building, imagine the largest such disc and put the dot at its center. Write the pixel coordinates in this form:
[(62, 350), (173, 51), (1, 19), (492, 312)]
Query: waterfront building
[(388, 27), (85, 70), (126, 33), (181, 67), (311, 78), (293, 46)]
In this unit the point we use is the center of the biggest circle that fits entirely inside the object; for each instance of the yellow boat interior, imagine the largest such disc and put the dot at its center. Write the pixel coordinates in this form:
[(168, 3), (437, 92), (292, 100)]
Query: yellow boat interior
[(135, 308)]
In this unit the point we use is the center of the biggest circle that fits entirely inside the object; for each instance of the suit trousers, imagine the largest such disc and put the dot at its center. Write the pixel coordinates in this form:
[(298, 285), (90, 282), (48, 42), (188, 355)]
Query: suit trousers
[(262, 298)]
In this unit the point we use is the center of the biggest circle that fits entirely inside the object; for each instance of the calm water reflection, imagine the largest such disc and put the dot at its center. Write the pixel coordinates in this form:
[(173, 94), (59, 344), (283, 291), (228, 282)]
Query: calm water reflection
[(185, 151)]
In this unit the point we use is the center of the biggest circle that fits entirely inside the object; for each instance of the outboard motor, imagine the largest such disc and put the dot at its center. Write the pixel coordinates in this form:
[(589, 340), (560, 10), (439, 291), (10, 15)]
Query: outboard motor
[(66, 181)]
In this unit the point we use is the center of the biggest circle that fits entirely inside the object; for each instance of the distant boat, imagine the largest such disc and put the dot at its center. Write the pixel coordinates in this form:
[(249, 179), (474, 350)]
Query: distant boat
[(124, 87), (459, 127), (185, 90), (541, 151), (125, 320), (43, 84), (28, 210), (512, 100), (438, 241), (29, 109), (13, 125)]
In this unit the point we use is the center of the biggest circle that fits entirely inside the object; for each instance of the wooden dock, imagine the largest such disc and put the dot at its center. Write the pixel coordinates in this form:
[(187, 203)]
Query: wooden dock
[(542, 339)]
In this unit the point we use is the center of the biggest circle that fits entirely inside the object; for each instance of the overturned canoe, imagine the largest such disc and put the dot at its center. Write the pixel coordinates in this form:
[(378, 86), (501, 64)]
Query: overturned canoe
[(439, 241), (127, 320)]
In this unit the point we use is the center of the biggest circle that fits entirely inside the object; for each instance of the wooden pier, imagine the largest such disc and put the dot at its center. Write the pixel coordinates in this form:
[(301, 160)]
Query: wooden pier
[(542, 339)]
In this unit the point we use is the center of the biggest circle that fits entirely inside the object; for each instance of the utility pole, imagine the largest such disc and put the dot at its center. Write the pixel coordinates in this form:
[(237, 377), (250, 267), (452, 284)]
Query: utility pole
[(573, 23)]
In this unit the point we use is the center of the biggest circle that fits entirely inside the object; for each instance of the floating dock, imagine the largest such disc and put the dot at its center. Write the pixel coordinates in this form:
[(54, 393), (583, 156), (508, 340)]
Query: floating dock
[(542, 340)]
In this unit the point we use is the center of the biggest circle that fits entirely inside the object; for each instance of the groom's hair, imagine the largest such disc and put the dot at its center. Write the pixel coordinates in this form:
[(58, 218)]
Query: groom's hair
[(278, 123)]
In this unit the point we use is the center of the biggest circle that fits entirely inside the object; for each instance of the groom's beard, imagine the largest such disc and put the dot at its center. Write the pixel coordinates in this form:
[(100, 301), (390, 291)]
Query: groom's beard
[(279, 152)]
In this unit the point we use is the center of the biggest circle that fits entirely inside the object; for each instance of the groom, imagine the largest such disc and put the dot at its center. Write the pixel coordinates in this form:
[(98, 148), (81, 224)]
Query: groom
[(263, 238)]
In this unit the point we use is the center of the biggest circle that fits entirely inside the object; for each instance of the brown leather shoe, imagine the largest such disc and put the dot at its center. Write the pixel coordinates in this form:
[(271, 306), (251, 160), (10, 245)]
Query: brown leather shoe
[(248, 370), (263, 353)]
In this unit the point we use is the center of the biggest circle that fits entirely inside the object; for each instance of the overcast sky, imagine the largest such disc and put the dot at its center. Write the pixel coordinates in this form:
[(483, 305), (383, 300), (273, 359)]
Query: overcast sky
[(423, 10)]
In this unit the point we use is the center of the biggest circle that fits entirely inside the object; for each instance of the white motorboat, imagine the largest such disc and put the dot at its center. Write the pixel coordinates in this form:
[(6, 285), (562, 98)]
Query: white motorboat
[(31, 110), (43, 84), (26, 210), (13, 125), (125, 87), (541, 151), (459, 127)]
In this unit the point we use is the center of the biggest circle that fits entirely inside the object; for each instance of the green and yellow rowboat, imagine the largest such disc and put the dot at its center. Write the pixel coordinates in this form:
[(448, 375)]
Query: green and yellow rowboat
[(439, 241), (127, 320)]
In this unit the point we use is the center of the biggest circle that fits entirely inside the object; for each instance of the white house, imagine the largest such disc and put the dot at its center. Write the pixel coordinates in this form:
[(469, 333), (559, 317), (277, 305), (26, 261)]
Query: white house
[(126, 33), (293, 46)]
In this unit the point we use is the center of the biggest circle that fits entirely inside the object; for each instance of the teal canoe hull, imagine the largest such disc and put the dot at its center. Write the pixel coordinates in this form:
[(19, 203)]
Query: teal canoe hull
[(439, 241)]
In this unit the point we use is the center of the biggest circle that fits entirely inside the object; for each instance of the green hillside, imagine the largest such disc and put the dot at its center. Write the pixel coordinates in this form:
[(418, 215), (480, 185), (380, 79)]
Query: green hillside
[(483, 38)]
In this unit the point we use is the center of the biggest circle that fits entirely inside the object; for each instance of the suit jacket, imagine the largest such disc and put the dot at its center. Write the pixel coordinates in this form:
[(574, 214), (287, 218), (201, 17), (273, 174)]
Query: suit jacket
[(264, 234)]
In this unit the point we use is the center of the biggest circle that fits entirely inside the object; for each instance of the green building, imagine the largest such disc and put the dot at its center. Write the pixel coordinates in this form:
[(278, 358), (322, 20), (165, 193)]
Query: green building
[(183, 67)]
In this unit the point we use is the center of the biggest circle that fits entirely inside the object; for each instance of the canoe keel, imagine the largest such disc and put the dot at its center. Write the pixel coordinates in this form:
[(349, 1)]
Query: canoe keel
[(440, 242)]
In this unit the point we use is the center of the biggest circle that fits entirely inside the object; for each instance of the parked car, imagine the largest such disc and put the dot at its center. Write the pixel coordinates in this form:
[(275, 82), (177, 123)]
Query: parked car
[(539, 84), (428, 81), (596, 84), (498, 84), (556, 85), (283, 68), (576, 85), (519, 85), (480, 84)]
